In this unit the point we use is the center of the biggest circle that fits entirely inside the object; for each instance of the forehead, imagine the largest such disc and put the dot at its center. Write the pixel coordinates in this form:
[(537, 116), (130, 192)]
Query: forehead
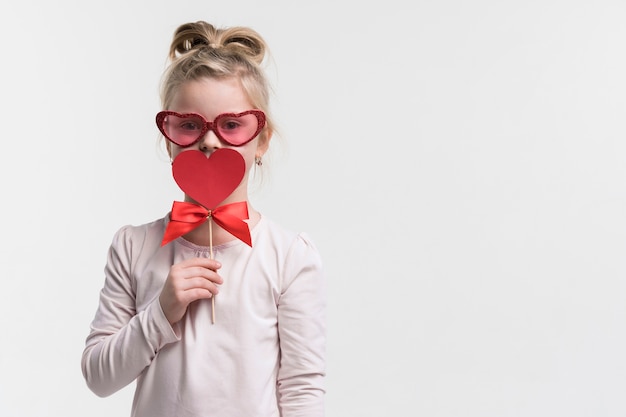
[(210, 97)]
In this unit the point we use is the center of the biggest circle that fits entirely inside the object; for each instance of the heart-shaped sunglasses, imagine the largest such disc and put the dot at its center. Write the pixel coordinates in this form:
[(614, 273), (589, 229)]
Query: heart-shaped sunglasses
[(236, 129)]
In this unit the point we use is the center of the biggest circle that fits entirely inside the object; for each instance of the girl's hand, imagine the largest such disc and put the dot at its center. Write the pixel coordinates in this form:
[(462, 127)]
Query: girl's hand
[(188, 281)]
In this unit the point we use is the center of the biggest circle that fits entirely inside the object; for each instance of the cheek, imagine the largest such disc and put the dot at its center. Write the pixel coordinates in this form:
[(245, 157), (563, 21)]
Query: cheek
[(175, 150), (248, 152), (248, 156)]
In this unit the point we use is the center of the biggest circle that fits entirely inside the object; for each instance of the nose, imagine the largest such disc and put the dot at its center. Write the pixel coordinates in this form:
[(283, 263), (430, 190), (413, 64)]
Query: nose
[(209, 142)]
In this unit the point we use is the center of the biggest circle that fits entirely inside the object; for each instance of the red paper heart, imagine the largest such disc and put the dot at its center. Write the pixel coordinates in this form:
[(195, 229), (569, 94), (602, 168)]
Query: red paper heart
[(209, 181)]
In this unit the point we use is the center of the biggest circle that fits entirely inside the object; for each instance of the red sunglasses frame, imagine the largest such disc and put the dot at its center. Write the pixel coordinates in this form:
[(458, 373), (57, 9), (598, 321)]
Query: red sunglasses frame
[(160, 119)]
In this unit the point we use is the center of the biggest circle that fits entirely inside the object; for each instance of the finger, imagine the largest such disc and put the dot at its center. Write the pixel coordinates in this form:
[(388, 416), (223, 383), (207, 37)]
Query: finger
[(199, 283), (187, 297), (202, 262), (205, 273), (178, 272), (197, 294)]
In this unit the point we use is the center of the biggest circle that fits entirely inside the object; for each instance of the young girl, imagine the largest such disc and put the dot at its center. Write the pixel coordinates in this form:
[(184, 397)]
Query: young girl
[(264, 354)]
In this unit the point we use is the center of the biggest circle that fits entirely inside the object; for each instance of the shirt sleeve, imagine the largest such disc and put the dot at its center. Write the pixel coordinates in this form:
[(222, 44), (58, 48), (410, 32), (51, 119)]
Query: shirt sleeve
[(122, 341), (302, 333)]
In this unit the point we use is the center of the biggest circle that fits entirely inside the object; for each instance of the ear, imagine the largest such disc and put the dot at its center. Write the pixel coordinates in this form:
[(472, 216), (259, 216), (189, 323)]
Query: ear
[(264, 142), (168, 147)]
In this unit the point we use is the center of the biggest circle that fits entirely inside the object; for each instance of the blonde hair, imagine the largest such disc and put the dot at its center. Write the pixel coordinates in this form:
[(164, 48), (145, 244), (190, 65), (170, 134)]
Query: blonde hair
[(200, 50)]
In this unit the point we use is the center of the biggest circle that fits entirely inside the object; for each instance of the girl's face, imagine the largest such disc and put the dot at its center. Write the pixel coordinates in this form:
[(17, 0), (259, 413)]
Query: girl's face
[(211, 97)]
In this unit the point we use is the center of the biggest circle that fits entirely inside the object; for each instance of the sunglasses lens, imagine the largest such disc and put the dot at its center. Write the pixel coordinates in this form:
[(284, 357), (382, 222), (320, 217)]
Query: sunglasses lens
[(237, 130), (182, 131)]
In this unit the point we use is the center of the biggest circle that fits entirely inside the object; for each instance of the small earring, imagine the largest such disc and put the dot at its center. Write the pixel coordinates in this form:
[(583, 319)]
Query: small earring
[(258, 161)]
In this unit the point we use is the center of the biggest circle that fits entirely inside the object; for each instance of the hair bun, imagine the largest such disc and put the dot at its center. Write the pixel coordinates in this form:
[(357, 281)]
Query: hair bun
[(203, 35), (246, 41)]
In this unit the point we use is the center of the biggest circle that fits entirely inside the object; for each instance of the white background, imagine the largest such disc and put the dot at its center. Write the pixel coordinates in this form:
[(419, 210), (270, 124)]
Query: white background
[(460, 166)]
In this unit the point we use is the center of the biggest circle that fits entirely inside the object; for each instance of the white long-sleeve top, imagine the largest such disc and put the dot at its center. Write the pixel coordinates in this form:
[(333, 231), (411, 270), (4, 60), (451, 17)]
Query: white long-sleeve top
[(263, 357)]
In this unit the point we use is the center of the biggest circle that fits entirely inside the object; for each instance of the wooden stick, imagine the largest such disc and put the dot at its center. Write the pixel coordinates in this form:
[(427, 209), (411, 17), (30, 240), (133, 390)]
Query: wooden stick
[(211, 256)]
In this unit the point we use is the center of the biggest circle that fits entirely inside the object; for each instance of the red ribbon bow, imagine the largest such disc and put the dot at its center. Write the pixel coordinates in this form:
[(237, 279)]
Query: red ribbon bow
[(187, 216)]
